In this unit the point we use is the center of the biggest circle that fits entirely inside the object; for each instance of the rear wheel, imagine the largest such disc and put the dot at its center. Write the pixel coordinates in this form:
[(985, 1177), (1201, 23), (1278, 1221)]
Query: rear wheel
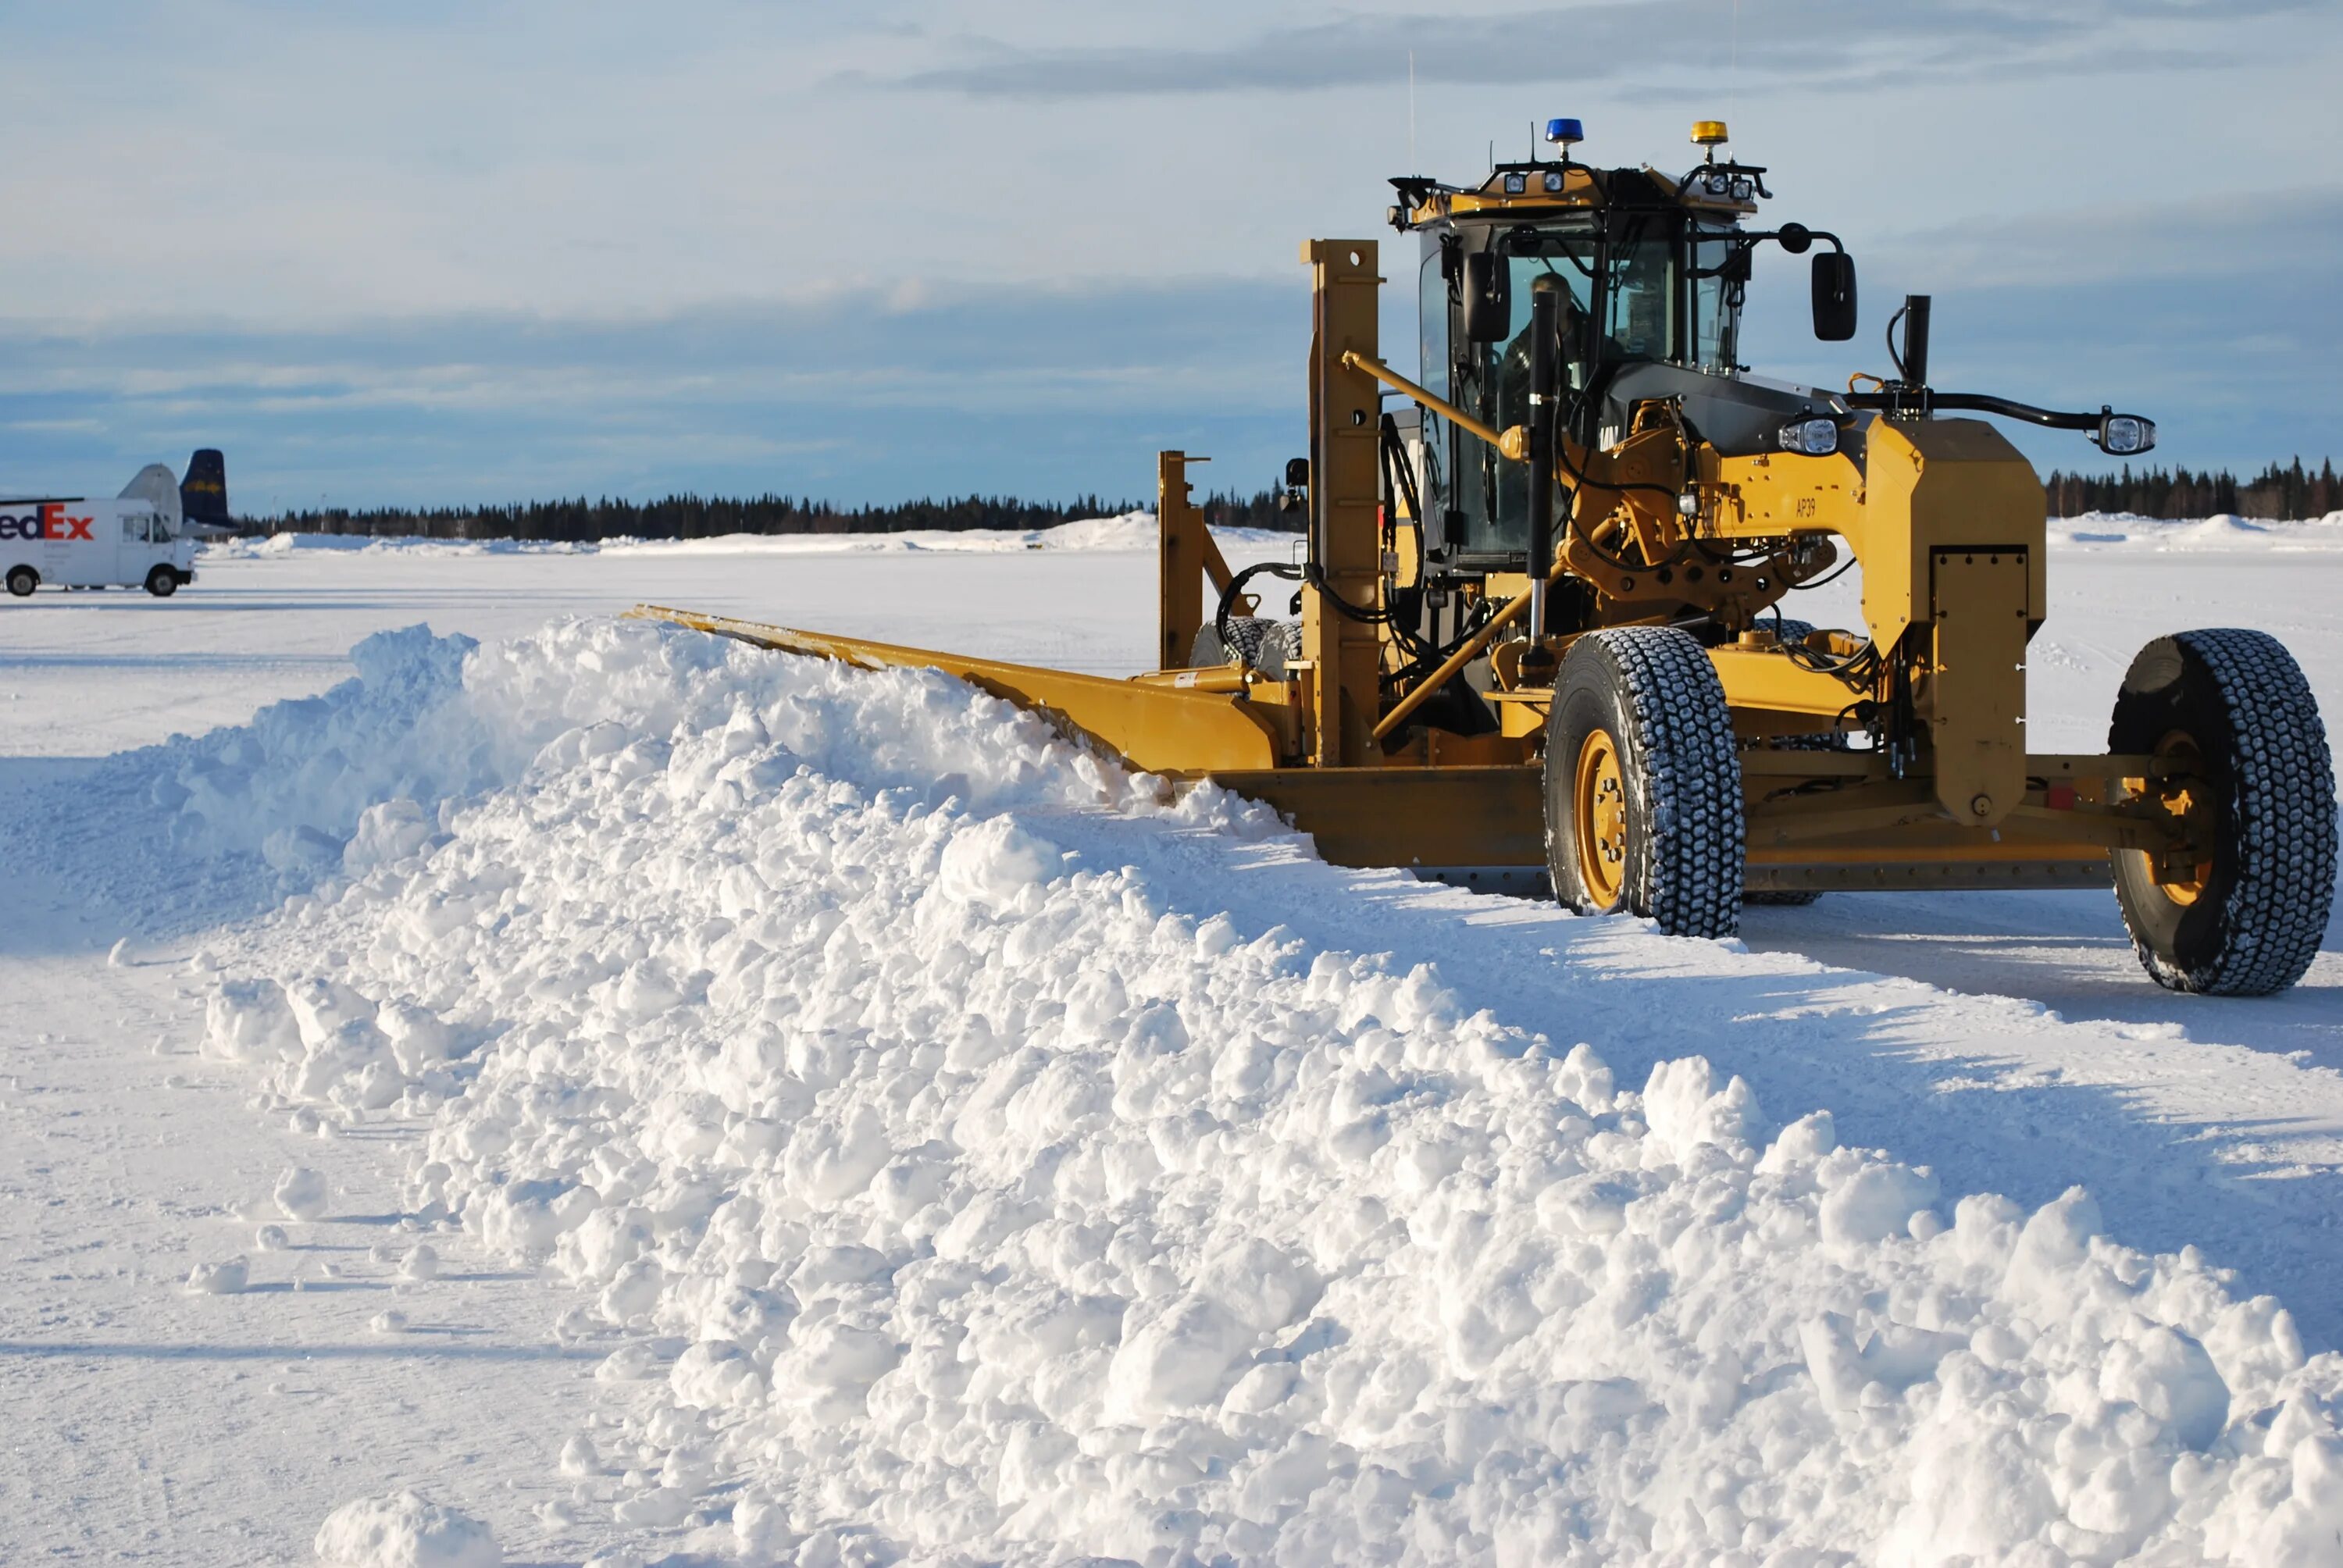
[(162, 582), (2243, 761), (1643, 785), (23, 580)]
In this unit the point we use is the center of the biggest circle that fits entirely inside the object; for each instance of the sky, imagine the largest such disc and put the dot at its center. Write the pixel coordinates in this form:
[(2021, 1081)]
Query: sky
[(436, 252)]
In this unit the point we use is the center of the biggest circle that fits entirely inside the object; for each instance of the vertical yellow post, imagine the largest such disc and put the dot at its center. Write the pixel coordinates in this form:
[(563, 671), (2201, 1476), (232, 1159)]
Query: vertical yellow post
[(1186, 559), (1179, 572), (1345, 489)]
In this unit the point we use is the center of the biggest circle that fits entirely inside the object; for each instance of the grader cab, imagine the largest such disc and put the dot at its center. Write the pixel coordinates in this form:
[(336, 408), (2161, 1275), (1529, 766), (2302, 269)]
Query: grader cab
[(1544, 596)]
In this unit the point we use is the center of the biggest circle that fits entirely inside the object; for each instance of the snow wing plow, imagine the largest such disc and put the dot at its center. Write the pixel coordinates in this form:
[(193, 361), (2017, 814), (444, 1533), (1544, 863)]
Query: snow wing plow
[(1541, 630)]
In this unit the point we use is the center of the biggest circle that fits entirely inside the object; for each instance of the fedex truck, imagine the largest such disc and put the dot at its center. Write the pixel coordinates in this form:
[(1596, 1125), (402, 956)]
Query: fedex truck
[(137, 539)]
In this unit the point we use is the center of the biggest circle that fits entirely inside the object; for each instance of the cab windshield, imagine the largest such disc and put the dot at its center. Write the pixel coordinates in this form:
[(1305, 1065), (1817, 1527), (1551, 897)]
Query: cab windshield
[(1657, 297)]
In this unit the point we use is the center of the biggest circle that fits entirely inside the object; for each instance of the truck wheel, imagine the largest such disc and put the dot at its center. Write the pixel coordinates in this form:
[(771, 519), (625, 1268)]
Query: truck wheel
[(1643, 783), (162, 582), (2233, 710), (23, 580)]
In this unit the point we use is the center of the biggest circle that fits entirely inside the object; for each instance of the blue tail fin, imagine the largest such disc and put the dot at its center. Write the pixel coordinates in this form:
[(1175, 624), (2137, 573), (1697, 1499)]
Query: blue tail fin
[(203, 494)]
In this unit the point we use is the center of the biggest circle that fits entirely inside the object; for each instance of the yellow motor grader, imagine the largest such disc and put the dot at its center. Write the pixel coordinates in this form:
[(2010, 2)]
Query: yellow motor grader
[(1541, 629)]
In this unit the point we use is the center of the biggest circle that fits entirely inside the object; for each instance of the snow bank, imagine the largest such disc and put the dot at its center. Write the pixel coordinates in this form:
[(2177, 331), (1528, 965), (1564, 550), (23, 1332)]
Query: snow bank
[(277, 546), (1128, 531), (947, 1192), (2224, 531)]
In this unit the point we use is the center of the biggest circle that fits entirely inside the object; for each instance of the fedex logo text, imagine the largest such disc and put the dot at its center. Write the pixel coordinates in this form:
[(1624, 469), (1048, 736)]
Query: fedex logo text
[(48, 522)]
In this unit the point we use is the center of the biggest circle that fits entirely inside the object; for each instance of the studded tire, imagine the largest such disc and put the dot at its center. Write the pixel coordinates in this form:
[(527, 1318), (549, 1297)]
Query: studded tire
[(2250, 919), (1650, 698)]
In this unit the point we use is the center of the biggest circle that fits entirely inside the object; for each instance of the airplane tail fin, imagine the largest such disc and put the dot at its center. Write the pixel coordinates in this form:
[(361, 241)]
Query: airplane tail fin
[(203, 494)]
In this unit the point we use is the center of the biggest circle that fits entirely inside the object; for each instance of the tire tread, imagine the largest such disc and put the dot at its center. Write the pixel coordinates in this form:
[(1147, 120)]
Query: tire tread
[(2275, 913)]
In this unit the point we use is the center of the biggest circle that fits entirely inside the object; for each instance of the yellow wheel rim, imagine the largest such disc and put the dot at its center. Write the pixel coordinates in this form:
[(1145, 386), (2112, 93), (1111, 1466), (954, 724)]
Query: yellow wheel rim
[(1599, 819), (2184, 885)]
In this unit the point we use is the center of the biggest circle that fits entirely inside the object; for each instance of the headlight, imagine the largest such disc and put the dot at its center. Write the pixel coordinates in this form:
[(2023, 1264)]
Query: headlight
[(1718, 184), (1516, 184), (2125, 435), (1743, 187), (1815, 437), (1553, 182)]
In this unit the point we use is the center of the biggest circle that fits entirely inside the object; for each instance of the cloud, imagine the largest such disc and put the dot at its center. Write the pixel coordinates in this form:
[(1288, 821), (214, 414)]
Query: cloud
[(870, 394), (1790, 42)]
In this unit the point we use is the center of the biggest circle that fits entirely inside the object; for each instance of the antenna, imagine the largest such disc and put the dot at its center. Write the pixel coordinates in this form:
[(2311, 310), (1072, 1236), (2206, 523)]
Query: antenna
[(1412, 164)]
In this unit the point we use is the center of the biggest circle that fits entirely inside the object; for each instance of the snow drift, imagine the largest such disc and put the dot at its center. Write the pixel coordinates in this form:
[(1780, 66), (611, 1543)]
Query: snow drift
[(1124, 531), (944, 1192)]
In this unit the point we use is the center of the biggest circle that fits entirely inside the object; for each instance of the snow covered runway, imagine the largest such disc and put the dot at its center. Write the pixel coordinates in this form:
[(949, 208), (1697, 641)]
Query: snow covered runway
[(1006, 1158)]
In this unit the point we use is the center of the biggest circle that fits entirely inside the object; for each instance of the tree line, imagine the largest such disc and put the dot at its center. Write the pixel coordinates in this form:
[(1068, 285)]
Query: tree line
[(689, 517), (2292, 492), (2289, 491)]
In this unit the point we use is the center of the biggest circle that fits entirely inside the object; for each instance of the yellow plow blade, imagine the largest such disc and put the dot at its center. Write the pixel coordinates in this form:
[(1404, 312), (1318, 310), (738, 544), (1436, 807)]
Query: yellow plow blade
[(1161, 728)]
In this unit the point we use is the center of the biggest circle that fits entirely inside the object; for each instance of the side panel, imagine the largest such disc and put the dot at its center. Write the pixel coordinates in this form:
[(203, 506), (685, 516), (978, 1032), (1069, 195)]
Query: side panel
[(70, 542), (1935, 483), (1979, 604)]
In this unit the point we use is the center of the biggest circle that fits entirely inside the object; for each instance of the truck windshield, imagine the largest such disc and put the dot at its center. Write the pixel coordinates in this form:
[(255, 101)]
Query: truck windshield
[(1639, 318)]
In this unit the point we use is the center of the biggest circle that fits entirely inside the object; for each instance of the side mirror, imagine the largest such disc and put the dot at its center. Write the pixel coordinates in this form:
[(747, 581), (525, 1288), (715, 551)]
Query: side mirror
[(1488, 298), (1833, 296)]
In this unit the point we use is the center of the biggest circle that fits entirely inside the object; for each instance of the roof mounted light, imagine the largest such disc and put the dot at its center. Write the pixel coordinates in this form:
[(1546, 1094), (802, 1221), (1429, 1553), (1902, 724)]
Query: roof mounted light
[(1564, 133), (1707, 133), (1516, 183), (1553, 182)]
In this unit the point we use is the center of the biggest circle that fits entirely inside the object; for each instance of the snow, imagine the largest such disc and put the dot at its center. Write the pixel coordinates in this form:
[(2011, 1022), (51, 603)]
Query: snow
[(405, 1531), (301, 1193), (942, 1142), (225, 1278), (1130, 531)]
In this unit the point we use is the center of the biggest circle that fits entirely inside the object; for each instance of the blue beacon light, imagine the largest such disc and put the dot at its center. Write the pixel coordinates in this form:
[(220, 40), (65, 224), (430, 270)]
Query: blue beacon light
[(1563, 132)]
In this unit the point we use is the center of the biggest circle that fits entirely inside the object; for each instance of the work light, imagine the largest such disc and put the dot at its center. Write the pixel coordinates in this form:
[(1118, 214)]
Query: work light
[(2125, 435), (1815, 437)]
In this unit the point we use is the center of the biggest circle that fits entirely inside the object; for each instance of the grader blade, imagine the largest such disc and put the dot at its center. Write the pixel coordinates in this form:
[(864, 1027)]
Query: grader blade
[(1160, 728)]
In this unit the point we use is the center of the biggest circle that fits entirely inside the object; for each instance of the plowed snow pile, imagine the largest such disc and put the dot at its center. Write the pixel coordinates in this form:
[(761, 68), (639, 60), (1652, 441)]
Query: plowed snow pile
[(947, 1195)]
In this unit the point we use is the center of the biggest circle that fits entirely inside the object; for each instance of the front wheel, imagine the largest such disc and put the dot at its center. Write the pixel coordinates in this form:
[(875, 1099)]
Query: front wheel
[(1643, 783), (23, 580), (2243, 761), (162, 582)]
